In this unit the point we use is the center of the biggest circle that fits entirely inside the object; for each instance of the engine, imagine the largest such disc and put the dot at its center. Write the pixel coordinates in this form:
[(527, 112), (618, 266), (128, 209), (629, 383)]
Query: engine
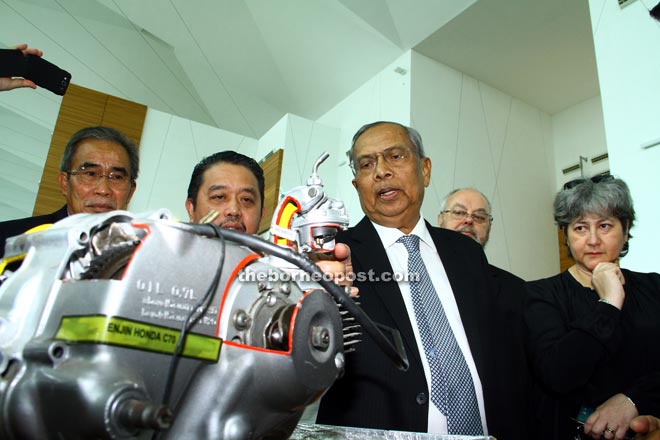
[(118, 326)]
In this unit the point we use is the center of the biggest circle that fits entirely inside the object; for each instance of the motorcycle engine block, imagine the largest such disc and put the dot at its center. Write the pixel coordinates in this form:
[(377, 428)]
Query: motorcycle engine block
[(137, 326)]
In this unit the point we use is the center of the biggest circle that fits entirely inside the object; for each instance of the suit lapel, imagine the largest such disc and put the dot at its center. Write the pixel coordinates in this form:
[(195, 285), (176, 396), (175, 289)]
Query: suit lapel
[(365, 243)]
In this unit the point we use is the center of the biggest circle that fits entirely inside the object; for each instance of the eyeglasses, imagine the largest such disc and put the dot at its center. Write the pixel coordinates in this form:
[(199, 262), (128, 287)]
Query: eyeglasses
[(393, 156), (595, 179), (91, 177), (477, 217)]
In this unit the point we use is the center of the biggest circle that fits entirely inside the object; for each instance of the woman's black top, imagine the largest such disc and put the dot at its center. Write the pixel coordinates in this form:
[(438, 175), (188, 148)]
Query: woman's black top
[(583, 351)]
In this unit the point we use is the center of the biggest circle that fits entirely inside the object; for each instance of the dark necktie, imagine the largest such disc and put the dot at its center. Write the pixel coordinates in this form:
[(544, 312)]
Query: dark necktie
[(452, 389)]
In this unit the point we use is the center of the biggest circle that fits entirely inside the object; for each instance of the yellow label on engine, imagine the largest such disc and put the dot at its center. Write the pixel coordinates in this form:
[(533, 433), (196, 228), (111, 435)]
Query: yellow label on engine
[(138, 335)]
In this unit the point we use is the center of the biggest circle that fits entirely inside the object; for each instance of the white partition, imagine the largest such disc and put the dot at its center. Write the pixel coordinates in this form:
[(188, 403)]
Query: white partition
[(627, 43)]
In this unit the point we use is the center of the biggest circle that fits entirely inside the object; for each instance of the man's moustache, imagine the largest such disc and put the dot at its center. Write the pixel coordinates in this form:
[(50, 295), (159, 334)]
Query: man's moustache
[(470, 229), (230, 220)]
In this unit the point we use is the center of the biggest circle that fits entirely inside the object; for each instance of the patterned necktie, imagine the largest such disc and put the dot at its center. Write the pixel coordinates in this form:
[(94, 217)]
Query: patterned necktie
[(452, 389)]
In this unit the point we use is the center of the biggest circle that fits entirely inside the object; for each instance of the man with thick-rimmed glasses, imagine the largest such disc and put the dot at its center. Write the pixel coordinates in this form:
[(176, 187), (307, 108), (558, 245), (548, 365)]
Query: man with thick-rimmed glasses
[(467, 211), (98, 171)]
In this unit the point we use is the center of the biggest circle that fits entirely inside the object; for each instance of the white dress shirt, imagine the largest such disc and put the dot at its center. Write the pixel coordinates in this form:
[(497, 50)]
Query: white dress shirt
[(398, 256)]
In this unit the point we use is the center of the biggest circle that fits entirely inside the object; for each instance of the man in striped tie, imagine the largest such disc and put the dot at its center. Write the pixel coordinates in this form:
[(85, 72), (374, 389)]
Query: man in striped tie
[(428, 284)]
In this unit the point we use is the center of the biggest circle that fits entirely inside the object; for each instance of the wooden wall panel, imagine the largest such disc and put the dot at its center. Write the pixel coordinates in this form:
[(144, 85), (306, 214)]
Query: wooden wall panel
[(123, 115), (564, 260), (272, 166), (82, 107)]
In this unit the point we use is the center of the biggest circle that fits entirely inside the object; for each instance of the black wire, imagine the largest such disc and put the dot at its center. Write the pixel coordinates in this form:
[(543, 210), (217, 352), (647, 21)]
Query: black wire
[(202, 304), (212, 231), (397, 356)]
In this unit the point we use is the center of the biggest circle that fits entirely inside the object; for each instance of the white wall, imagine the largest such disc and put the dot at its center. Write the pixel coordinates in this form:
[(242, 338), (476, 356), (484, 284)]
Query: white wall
[(477, 136), (579, 131), (27, 122), (303, 142), (627, 43)]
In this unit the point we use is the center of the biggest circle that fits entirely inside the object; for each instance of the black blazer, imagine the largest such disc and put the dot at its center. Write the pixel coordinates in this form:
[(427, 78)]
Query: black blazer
[(512, 368), (12, 228), (373, 393)]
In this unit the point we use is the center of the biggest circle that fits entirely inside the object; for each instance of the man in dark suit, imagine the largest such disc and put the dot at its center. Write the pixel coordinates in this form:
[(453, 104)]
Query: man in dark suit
[(468, 211), (98, 171), (391, 174)]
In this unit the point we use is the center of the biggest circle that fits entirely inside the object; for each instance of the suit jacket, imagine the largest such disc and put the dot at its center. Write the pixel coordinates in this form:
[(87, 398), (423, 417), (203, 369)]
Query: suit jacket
[(12, 228), (373, 393), (515, 384)]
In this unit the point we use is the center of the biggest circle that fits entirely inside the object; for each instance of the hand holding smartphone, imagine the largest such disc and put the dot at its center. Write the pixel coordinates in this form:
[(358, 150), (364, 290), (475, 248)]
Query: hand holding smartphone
[(13, 63)]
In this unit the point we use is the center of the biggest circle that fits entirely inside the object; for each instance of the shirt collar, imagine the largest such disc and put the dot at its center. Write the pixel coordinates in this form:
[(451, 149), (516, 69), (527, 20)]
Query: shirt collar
[(389, 236)]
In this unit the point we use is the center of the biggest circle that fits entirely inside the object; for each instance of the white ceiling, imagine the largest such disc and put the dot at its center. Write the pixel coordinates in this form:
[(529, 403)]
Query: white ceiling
[(539, 51), (242, 64)]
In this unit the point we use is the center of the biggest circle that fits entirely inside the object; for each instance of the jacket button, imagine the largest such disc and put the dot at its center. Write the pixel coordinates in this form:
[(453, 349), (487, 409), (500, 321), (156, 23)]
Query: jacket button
[(421, 398)]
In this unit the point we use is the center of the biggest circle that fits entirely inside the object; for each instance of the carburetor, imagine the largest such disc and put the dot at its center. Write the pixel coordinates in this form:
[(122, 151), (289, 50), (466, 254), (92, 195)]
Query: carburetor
[(306, 218)]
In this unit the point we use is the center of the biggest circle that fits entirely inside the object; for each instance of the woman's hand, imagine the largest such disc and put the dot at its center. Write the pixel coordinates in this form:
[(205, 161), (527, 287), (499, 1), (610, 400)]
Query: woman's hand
[(607, 279), (612, 418)]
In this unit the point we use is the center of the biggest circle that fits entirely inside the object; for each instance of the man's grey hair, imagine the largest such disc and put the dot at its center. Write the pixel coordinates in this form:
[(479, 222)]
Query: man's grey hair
[(444, 201), (609, 197), (413, 135), (104, 134)]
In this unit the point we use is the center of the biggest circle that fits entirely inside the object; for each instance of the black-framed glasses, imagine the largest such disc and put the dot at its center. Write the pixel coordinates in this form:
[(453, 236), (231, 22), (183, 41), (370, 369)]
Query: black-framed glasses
[(595, 179), (479, 217), (393, 156), (91, 176)]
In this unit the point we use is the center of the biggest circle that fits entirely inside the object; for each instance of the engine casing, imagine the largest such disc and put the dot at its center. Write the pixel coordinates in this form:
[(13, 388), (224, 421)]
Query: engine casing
[(90, 324)]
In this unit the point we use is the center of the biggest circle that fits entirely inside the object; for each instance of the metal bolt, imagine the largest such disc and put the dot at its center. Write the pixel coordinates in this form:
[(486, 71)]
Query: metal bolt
[(285, 288), (312, 192), (271, 300), (276, 336), (320, 338), (339, 361), (242, 320), (83, 237)]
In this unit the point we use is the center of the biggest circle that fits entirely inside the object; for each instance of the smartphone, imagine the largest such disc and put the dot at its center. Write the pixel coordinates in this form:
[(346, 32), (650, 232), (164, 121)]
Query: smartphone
[(43, 73)]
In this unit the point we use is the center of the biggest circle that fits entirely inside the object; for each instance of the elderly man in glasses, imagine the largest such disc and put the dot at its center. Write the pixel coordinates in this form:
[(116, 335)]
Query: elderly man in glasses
[(97, 174), (468, 211), (443, 312)]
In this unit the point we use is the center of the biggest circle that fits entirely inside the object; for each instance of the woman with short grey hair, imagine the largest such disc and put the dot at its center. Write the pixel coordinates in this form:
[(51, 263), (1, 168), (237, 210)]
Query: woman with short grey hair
[(589, 328)]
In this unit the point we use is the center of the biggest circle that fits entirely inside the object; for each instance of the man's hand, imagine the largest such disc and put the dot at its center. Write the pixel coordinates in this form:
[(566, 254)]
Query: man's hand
[(8, 83), (646, 427), (339, 265)]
